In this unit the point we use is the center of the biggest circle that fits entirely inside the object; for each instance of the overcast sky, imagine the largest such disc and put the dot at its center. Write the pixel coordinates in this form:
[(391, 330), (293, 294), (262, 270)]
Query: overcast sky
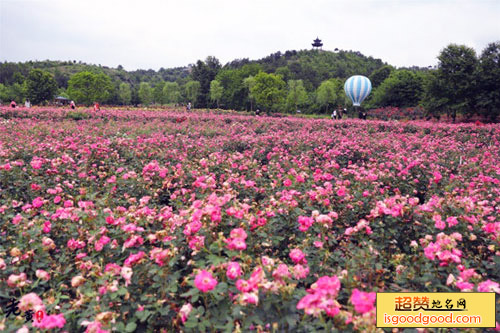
[(152, 34)]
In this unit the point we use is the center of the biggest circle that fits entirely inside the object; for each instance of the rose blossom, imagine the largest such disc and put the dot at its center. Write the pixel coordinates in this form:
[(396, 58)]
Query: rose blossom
[(77, 281), (298, 256), (17, 280), (31, 301), (488, 286), (204, 281), (126, 273), (363, 302), (300, 271), (49, 322), (42, 275), (233, 270), (185, 311)]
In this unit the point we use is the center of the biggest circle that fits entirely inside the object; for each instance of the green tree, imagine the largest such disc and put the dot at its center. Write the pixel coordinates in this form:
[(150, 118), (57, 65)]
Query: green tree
[(452, 87), (86, 87), (40, 86), (434, 99), (248, 83), (379, 75), (402, 88), (171, 92), (216, 91), (18, 78), (326, 94), (488, 77), (284, 72), (192, 89), (235, 94), (269, 91), (14, 92), (204, 73), (4, 97), (135, 95), (297, 94), (125, 93), (158, 96), (61, 78), (145, 93)]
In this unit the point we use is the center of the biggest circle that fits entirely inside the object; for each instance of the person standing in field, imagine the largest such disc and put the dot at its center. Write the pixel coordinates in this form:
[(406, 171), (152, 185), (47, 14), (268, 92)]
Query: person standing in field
[(189, 106), (334, 114), (96, 106), (340, 112), (27, 103), (13, 104), (72, 104)]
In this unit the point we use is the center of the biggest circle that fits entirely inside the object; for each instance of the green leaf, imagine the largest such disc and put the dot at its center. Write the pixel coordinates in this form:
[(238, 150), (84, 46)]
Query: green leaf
[(173, 287), (222, 287), (120, 327), (131, 327), (291, 321), (215, 260), (191, 292), (214, 247)]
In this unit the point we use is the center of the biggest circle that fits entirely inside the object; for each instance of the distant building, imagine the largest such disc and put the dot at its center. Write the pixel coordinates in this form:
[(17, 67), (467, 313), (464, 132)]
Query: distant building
[(60, 100), (317, 43)]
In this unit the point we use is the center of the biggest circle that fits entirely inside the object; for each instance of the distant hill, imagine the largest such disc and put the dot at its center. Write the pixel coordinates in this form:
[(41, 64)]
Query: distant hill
[(314, 66), (62, 71)]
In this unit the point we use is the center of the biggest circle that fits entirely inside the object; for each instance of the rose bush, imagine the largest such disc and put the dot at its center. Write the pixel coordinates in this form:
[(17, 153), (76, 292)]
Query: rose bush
[(396, 113), (151, 220)]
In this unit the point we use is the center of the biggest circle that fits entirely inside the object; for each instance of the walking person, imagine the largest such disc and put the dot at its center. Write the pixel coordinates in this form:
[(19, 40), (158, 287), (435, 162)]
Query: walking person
[(334, 114)]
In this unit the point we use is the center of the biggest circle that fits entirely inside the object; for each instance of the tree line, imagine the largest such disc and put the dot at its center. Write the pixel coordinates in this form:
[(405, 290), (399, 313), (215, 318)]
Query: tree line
[(309, 80)]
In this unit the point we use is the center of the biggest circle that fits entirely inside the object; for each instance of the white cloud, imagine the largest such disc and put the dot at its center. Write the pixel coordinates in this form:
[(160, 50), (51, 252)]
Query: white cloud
[(153, 34)]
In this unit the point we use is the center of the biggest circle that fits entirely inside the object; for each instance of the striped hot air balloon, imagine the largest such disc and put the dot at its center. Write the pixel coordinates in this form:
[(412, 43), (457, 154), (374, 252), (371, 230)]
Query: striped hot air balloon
[(357, 87)]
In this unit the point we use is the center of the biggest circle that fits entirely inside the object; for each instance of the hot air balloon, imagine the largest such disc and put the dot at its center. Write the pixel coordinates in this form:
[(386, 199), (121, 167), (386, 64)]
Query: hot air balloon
[(357, 87)]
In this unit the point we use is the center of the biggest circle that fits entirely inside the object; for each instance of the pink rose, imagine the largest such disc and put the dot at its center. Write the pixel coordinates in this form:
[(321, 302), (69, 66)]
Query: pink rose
[(36, 164), (49, 322), (300, 271), (204, 281), (31, 301), (42, 275), (298, 256), (233, 270), (437, 177), (17, 219), (37, 202), (363, 302), (488, 286), (439, 222), (185, 311), (243, 285), (238, 233), (341, 191)]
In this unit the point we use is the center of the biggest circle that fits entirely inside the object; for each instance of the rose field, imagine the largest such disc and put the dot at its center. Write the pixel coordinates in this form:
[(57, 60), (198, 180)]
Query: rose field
[(166, 221)]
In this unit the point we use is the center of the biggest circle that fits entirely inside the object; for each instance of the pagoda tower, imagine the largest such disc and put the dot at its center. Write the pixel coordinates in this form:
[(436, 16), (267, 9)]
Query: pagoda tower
[(317, 43)]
